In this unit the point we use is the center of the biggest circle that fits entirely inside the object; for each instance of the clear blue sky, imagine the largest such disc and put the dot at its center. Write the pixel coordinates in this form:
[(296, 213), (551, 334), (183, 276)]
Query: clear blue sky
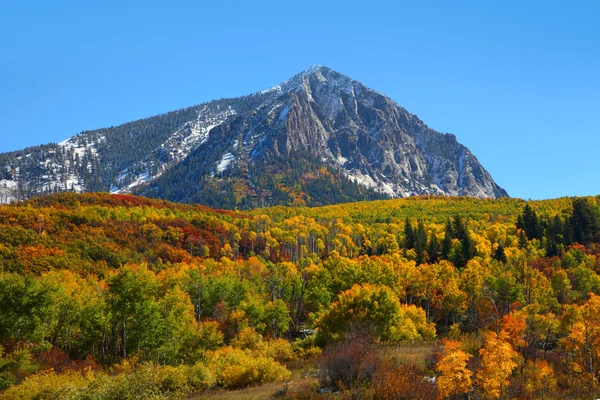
[(518, 82)]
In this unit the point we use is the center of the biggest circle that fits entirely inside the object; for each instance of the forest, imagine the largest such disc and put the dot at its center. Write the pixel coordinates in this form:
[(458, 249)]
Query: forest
[(123, 297), (125, 151)]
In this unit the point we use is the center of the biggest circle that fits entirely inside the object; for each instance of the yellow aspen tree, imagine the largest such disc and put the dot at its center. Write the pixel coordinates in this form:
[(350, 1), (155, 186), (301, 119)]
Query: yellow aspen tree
[(583, 340), (455, 377), (540, 381), (497, 364)]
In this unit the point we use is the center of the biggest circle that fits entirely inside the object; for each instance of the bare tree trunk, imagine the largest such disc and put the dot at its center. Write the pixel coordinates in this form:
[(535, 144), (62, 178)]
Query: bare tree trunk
[(123, 340)]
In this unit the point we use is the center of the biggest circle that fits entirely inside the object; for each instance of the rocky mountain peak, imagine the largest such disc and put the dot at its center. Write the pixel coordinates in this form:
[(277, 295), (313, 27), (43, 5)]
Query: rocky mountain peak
[(319, 137)]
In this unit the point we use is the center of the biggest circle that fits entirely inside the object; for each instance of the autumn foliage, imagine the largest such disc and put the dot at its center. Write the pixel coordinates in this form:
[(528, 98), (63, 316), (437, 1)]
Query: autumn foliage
[(455, 377), (111, 293)]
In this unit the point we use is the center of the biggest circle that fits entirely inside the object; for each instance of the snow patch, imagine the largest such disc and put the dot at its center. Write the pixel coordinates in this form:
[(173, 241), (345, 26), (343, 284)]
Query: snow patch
[(225, 161), (379, 185), (276, 88), (176, 148), (8, 191), (283, 114), (137, 181)]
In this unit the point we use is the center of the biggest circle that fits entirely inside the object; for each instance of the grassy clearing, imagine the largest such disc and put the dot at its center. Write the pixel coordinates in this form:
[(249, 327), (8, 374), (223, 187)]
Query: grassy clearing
[(304, 373), (262, 392), (419, 354), (253, 393)]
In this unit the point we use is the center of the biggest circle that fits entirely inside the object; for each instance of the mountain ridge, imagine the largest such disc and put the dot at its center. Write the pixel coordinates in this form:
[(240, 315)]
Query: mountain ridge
[(318, 126)]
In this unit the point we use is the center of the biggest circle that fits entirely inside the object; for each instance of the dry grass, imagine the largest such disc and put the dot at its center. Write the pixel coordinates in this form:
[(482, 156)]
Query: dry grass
[(262, 392), (253, 393), (419, 354)]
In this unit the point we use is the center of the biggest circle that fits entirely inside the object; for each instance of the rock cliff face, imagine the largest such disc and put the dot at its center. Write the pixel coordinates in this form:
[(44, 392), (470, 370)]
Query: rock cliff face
[(317, 138)]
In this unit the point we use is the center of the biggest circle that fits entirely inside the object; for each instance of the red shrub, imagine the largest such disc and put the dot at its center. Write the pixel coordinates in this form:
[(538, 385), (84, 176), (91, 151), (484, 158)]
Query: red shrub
[(402, 382), (348, 364)]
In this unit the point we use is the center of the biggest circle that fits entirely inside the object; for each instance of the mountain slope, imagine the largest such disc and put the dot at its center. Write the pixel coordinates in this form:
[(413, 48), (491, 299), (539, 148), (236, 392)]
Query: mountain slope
[(317, 138)]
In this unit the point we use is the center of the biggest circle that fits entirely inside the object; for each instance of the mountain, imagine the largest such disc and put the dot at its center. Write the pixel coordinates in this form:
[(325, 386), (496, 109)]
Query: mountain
[(317, 138)]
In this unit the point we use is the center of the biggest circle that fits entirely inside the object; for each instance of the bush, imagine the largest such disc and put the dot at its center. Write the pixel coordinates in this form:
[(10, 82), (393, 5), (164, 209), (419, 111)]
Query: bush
[(237, 368), (248, 338), (401, 382), (145, 381), (279, 349), (48, 385), (14, 367), (148, 381), (210, 335), (200, 377), (348, 364), (305, 348)]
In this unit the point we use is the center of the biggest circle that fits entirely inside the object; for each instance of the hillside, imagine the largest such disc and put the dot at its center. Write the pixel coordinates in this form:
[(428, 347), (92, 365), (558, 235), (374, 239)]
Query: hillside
[(158, 298)]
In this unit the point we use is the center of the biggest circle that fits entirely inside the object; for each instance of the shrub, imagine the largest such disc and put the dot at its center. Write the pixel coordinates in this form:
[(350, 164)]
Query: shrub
[(237, 368), (279, 350), (309, 352), (145, 381), (171, 379), (59, 361), (305, 348), (148, 381), (14, 367), (349, 363), (200, 377), (248, 338), (48, 385), (401, 382), (210, 335)]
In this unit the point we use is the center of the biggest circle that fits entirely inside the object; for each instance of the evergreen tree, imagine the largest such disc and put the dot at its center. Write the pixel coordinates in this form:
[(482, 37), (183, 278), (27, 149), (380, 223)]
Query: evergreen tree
[(499, 254), (433, 248), (520, 223), (584, 221), (554, 237), (420, 243), (467, 250), (530, 223), (409, 235), (522, 240), (447, 242)]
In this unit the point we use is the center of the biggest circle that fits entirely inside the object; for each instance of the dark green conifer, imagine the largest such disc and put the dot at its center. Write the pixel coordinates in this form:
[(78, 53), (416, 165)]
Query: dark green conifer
[(499, 254)]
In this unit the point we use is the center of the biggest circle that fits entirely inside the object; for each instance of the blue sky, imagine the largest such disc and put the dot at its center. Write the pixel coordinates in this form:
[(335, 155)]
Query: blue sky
[(517, 82)]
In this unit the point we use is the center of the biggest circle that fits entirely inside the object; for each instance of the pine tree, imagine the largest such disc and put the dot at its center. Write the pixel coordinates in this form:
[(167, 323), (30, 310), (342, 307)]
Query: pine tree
[(530, 223), (522, 240), (421, 243), (499, 254), (584, 221), (467, 250), (520, 224), (554, 237), (447, 242), (409, 235), (433, 248)]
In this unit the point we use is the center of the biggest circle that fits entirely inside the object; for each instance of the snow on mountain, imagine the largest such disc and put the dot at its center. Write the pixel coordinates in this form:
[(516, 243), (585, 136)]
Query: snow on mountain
[(175, 149), (320, 115), (8, 191), (225, 161)]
